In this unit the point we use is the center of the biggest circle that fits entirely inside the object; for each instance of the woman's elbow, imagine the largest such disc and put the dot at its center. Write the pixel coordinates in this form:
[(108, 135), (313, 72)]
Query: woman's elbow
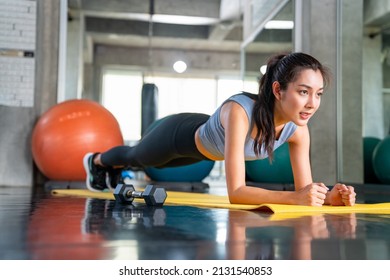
[(234, 197)]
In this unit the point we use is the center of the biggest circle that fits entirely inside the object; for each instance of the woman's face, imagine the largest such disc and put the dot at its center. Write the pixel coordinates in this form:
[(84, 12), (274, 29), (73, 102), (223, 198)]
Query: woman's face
[(301, 99)]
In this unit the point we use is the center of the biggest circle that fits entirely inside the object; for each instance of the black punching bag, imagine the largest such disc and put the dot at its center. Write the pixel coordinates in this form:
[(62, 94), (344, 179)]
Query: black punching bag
[(149, 105)]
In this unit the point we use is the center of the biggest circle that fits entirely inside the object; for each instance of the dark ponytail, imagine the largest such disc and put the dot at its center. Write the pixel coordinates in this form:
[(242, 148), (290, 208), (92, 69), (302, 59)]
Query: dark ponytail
[(283, 68)]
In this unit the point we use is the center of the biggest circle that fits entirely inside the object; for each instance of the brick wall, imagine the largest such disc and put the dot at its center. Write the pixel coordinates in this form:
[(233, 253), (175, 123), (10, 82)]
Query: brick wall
[(17, 52)]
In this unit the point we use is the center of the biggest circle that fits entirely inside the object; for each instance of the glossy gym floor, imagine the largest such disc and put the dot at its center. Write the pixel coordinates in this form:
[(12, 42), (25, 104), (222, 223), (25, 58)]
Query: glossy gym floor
[(38, 226)]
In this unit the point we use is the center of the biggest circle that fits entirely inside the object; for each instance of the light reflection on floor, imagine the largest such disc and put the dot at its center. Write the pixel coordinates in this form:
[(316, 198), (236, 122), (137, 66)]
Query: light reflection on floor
[(39, 226)]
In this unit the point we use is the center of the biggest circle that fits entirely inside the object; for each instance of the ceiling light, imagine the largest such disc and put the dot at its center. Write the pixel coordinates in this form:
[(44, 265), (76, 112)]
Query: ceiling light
[(279, 24), (184, 20), (180, 66)]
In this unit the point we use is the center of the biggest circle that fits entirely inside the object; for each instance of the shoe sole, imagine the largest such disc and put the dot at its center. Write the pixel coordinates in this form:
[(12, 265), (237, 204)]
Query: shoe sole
[(86, 167), (108, 183)]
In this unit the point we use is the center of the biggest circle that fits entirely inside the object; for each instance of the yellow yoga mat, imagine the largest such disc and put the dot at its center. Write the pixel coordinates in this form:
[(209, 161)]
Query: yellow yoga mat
[(216, 201)]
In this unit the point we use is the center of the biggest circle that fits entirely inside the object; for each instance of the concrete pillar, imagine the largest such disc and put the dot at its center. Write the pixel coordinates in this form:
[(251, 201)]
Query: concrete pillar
[(386, 88), (372, 87), (47, 55), (46, 80), (74, 57), (352, 169), (331, 31)]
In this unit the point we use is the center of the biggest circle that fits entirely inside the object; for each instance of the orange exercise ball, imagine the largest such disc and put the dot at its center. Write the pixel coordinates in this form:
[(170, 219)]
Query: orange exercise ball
[(69, 130)]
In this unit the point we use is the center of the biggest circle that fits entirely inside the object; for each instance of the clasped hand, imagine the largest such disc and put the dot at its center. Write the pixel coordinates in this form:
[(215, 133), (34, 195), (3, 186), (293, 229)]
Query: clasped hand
[(342, 195), (317, 194)]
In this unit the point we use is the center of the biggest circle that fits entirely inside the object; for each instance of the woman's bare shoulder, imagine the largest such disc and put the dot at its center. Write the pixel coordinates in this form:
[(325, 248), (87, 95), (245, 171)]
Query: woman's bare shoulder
[(301, 134)]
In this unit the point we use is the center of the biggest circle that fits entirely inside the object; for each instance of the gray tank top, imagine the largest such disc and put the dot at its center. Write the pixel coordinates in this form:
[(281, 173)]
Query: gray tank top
[(212, 133)]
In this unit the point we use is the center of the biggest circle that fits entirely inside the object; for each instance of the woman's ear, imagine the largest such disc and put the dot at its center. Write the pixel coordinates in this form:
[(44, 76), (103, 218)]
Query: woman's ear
[(276, 90)]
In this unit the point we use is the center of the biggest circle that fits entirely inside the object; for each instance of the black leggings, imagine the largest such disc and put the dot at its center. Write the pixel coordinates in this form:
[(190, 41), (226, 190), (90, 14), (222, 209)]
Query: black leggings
[(170, 143)]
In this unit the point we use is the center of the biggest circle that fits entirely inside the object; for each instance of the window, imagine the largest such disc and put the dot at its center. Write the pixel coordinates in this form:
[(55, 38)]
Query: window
[(228, 86), (121, 95), (178, 95)]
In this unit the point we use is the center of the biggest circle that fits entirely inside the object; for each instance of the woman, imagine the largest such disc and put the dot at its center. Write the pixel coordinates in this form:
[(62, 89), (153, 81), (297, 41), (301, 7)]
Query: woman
[(244, 127)]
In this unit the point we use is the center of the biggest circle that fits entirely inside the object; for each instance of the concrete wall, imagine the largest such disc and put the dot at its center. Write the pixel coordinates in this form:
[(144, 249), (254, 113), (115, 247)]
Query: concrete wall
[(373, 105), (320, 40), (200, 63), (74, 57), (351, 160), (16, 163), (47, 64), (336, 130), (386, 83)]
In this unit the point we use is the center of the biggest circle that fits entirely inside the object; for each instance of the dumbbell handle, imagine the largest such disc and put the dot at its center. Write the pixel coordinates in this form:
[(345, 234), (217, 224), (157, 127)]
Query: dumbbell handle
[(135, 194)]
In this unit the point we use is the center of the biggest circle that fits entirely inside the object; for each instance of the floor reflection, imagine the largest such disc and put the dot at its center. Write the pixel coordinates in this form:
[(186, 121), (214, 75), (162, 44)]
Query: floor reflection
[(45, 227), (70, 228), (252, 236)]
